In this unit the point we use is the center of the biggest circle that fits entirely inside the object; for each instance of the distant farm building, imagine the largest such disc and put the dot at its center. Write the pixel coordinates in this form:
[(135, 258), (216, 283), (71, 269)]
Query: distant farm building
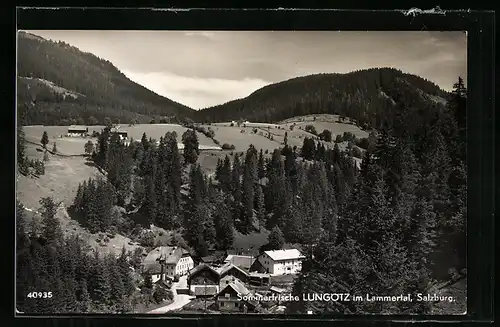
[(74, 131), (123, 134)]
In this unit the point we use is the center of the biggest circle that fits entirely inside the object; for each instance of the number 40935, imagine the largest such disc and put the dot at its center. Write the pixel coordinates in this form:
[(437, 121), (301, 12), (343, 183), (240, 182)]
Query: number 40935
[(39, 295)]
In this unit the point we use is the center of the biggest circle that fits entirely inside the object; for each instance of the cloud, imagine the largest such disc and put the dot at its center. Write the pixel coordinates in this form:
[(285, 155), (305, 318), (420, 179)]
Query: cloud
[(197, 93)]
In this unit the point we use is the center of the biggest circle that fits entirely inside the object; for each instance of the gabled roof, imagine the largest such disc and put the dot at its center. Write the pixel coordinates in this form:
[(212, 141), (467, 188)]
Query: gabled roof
[(208, 259), (227, 267), (243, 261), (238, 286), (205, 290), (201, 267), (290, 254)]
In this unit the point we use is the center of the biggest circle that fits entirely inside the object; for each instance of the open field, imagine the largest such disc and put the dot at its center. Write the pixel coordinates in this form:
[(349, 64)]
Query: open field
[(241, 141), (323, 122), (60, 181), (154, 131), (224, 133)]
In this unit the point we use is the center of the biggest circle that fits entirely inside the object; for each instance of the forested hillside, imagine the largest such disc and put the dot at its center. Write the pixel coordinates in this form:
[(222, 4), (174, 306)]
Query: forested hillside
[(392, 227), (368, 96), (58, 84)]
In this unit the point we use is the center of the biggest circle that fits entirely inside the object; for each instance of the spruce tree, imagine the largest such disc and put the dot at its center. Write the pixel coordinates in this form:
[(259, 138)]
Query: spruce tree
[(191, 146), (261, 171), (51, 228), (276, 239), (45, 139)]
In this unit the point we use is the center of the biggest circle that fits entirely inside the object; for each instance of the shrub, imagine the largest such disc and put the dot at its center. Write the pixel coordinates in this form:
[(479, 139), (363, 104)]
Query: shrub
[(227, 146), (232, 125), (311, 129), (363, 143), (356, 152), (161, 294), (147, 239), (326, 135), (242, 131)]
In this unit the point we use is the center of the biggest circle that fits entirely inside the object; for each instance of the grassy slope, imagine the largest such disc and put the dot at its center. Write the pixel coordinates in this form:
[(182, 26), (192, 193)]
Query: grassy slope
[(61, 179)]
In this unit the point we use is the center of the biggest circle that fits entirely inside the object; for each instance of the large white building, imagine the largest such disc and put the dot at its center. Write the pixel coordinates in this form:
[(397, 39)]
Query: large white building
[(281, 262), (175, 261)]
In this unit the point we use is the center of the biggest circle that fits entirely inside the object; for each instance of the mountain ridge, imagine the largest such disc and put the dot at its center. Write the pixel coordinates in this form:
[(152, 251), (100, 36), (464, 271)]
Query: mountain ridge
[(356, 94), (108, 92)]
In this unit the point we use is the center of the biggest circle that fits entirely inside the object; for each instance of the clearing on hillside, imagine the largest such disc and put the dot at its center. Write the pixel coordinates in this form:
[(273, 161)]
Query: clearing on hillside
[(60, 181)]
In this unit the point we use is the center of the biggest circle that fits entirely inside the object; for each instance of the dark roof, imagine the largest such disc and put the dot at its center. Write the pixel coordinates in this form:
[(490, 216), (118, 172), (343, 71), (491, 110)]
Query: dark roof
[(226, 268), (201, 267), (209, 258), (205, 290), (238, 286)]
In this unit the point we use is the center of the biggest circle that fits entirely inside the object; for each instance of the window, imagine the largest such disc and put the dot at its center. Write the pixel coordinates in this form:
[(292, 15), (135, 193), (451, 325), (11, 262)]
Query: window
[(236, 304), (227, 295), (222, 304)]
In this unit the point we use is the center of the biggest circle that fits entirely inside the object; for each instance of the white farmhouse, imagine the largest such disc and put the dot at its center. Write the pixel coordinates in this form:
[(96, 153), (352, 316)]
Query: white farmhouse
[(169, 261), (281, 262)]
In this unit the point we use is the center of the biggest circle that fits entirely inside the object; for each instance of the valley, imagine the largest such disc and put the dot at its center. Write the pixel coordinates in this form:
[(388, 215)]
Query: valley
[(130, 202)]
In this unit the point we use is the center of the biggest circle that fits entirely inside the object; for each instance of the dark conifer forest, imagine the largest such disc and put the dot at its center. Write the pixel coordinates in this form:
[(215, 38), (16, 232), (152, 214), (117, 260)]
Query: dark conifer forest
[(93, 89), (368, 96), (391, 227)]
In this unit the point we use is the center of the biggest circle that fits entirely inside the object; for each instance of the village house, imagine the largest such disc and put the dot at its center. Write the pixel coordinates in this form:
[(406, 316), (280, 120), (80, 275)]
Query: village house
[(235, 297), (281, 262), (203, 280), (167, 261), (75, 131), (234, 271), (241, 261)]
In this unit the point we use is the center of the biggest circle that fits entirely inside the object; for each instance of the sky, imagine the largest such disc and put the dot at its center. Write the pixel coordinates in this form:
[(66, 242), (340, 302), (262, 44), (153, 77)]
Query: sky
[(205, 68)]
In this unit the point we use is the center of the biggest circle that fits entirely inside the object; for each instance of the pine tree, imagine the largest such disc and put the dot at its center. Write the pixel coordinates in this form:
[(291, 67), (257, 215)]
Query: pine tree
[(261, 166), (248, 188), (45, 139), (223, 223), (260, 208), (51, 229), (83, 297), (89, 147), (276, 239), (54, 148), (101, 287), (124, 272), (235, 180), (191, 146), (22, 164)]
